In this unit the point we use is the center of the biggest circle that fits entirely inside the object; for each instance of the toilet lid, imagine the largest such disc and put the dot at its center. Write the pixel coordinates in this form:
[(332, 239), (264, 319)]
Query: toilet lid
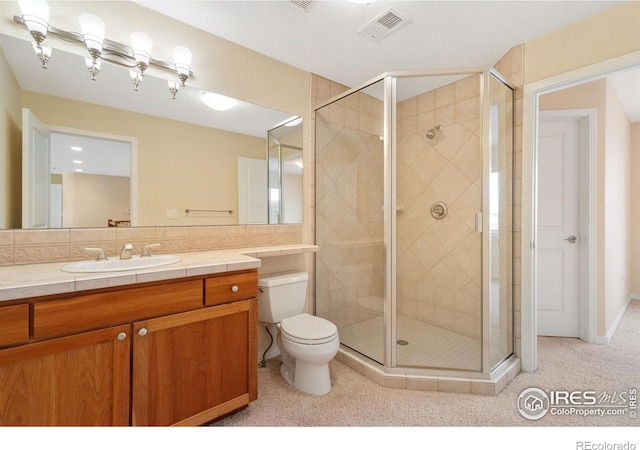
[(307, 329)]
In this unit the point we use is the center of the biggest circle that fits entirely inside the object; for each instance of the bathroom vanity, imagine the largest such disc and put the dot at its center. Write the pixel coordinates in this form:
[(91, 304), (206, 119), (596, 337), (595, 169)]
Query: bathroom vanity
[(175, 345)]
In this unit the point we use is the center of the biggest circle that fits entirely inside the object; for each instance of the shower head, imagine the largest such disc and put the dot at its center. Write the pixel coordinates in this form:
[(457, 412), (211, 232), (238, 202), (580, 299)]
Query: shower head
[(434, 131)]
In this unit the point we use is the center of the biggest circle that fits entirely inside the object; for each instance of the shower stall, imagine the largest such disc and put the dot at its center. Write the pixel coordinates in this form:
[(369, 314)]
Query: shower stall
[(414, 220)]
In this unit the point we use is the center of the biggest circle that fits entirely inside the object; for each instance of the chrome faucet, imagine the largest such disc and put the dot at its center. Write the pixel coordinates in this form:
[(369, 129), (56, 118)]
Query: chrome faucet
[(145, 250), (125, 253), (101, 256)]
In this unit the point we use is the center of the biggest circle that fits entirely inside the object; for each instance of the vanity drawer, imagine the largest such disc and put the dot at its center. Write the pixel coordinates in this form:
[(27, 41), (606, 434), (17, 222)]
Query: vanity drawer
[(229, 288), (15, 324), (86, 312)]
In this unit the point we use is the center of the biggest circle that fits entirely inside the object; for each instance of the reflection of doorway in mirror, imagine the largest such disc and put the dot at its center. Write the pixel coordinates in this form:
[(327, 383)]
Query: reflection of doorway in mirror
[(89, 178), (252, 182)]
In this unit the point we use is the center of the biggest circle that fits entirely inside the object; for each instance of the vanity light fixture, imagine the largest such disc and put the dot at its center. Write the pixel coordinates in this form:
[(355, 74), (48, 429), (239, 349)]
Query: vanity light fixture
[(218, 102), (141, 44), (35, 18), (93, 35), (35, 15), (182, 61)]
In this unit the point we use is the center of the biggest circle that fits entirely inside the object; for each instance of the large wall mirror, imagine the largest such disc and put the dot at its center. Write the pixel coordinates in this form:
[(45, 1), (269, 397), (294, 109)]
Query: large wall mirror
[(146, 159)]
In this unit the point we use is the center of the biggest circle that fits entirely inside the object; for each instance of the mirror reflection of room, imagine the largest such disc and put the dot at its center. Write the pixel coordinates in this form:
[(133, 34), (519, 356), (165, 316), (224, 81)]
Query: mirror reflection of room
[(182, 155)]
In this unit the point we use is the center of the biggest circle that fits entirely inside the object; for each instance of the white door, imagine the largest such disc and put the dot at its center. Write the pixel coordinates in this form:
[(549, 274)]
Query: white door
[(35, 171), (252, 191), (558, 243)]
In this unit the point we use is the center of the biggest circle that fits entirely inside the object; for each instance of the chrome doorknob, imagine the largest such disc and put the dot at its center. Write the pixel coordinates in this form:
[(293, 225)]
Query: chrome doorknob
[(121, 336), (234, 288), (572, 239)]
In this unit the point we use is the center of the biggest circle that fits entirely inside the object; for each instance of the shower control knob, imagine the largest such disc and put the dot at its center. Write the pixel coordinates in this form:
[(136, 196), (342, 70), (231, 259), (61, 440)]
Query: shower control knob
[(572, 239), (234, 288)]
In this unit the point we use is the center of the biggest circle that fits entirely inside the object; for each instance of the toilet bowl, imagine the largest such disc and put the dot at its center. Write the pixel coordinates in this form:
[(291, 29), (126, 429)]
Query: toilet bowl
[(307, 343)]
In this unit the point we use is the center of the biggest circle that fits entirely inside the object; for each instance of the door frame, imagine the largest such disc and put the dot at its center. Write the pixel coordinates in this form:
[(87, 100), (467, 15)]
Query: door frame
[(587, 182), (531, 94)]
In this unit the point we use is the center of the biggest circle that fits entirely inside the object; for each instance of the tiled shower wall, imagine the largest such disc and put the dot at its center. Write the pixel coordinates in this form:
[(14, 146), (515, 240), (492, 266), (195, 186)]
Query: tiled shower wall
[(40, 246), (349, 217), (439, 262)]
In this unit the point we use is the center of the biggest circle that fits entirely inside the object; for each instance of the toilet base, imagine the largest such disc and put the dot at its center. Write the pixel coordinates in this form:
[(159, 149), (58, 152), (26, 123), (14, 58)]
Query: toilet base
[(311, 379)]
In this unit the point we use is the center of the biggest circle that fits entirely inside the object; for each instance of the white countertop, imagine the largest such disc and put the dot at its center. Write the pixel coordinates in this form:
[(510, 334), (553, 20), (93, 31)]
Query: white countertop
[(33, 280)]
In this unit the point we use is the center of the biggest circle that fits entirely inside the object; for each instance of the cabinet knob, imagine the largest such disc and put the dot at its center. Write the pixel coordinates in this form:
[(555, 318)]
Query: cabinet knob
[(142, 332), (121, 336), (234, 288)]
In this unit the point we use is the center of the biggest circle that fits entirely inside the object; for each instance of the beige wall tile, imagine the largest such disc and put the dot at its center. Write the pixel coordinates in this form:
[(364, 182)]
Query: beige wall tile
[(27, 254), (92, 235), (6, 238), (30, 237)]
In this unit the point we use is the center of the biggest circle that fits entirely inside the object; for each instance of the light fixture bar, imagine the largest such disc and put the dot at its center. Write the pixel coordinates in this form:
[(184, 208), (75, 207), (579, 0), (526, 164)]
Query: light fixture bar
[(112, 51)]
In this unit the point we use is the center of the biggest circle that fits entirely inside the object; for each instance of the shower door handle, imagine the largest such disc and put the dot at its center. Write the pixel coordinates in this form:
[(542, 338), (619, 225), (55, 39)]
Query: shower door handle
[(572, 239)]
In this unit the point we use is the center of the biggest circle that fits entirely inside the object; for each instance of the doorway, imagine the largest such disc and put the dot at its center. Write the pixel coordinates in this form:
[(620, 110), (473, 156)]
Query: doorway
[(603, 322), (564, 191)]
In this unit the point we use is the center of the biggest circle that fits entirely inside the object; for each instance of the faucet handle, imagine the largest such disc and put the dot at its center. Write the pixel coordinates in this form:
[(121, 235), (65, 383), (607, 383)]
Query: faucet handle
[(147, 248), (101, 256)]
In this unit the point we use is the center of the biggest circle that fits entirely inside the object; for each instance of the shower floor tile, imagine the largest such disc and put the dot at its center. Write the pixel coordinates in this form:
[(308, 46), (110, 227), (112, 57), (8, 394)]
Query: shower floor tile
[(427, 345)]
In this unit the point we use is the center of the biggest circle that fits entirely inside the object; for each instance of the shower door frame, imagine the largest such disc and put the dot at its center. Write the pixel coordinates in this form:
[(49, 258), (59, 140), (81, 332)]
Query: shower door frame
[(389, 206)]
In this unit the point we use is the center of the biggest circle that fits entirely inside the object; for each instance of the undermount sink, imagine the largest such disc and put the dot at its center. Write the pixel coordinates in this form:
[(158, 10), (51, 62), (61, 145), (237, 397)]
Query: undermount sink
[(117, 265)]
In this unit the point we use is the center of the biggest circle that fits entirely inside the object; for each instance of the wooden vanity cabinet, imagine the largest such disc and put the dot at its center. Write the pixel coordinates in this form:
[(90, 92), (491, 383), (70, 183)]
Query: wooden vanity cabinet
[(159, 367), (70, 381), (15, 324), (193, 367)]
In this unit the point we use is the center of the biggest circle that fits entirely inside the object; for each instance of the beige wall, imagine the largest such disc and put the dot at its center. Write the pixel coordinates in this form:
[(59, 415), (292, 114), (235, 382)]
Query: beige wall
[(179, 165), (617, 209), (604, 36), (91, 200)]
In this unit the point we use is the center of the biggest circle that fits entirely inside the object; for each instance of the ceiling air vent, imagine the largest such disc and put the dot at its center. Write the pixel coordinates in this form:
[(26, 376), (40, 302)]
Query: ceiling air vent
[(301, 4), (383, 24)]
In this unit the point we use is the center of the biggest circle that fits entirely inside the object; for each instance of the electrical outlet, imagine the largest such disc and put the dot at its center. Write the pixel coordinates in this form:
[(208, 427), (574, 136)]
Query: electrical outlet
[(172, 214)]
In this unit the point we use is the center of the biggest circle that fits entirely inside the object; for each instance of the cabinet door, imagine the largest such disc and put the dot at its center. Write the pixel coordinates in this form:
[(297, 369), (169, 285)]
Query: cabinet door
[(70, 381), (193, 367)]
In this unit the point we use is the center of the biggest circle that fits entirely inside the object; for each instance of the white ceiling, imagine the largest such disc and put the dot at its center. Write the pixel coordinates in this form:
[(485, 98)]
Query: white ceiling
[(324, 38)]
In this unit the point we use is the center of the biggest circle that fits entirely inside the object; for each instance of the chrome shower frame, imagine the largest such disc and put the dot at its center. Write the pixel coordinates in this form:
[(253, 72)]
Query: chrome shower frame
[(390, 226)]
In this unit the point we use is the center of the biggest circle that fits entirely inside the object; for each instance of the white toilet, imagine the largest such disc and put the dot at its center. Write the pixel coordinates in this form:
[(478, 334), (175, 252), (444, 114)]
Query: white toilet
[(307, 343)]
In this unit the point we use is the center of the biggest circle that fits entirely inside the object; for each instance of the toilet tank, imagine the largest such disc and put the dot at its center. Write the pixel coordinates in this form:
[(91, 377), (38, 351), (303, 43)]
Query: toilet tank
[(281, 295)]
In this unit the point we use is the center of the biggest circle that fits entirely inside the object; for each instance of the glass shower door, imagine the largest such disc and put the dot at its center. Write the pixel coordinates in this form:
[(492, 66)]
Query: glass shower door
[(349, 174), (438, 258)]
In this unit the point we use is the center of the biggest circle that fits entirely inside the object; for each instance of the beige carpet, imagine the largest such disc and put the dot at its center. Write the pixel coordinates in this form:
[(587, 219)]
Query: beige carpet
[(354, 400)]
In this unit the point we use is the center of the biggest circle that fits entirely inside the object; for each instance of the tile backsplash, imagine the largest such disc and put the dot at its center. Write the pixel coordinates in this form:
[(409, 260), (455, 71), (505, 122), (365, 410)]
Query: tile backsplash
[(55, 245)]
